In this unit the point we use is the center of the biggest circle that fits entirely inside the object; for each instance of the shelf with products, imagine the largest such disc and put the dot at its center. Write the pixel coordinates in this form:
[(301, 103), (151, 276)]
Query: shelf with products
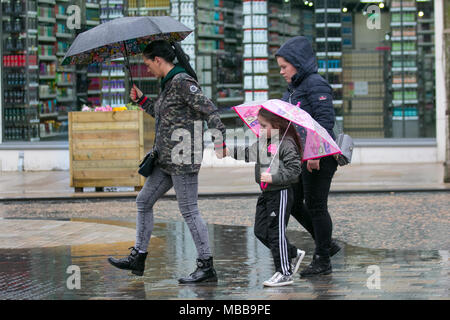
[(331, 28), (19, 77), (426, 68), (111, 9), (92, 13), (363, 93), (256, 50), (148, 7), (210, 30), (229, 78), (404, 78), (103, 78)]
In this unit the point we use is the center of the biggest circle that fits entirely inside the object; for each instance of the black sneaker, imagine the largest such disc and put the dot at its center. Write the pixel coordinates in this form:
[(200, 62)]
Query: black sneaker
[(204, 273), (319, 266), (134, 262)]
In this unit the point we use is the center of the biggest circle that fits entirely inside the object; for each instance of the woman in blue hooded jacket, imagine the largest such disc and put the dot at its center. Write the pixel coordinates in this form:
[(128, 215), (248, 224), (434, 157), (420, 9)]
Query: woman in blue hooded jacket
[(298, 66)]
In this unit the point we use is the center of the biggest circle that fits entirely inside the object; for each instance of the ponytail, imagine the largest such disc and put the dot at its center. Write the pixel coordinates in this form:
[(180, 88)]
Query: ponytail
[(183, 60)]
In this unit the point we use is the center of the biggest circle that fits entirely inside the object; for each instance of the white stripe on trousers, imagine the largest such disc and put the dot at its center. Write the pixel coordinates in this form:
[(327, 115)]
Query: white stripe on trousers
[(284, 258)]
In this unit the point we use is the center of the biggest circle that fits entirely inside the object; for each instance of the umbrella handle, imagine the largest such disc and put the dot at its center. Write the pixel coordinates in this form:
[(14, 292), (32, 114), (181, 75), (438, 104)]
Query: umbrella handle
[(265, 184), (128, 63)]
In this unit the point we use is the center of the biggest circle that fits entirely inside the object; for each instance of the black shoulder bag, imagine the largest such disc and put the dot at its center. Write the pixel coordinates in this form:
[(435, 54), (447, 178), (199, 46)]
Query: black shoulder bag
[(149, 162)]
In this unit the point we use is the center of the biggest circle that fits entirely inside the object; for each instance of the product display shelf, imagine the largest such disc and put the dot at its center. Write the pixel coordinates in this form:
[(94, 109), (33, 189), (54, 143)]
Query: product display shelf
[(328, 41), (66, 76), (148, 7), (405, 100), (88, 89), (363, 112), (426, 68), (256, 50), (92, 10), (227, 67), (144, 80), (19, 71), (49, 127), (307, 21), (210, 41), (111, 86), (214, 47), (285, 21)]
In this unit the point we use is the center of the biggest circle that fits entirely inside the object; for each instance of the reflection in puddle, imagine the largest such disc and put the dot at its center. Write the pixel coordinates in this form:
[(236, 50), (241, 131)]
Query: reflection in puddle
[(241, 262)]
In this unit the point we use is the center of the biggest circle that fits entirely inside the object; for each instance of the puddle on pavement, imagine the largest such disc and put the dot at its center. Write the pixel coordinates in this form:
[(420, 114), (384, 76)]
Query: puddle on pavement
[(242, 264)]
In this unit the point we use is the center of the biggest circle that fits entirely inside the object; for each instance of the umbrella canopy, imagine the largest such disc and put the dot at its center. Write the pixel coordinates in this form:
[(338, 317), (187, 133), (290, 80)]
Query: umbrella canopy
[(122, 37), (315, 139)]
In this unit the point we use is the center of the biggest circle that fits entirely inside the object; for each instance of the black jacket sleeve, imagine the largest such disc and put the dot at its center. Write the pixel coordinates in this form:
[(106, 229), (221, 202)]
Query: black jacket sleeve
[(147, 105), (320, 98)]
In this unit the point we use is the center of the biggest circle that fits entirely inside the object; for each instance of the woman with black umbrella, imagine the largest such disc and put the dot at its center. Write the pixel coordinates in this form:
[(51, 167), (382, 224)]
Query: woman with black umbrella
[(182, 106)]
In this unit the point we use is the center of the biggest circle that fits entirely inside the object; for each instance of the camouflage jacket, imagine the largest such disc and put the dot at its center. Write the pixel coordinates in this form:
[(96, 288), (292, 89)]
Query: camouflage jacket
[(180, 111)]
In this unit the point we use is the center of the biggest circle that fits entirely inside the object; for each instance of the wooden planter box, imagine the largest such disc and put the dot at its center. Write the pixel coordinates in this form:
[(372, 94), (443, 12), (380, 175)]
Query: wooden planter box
[(106, 148)]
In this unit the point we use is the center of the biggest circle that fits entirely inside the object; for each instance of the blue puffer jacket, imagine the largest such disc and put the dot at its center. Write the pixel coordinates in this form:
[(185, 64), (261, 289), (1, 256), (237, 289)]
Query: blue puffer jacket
[(307, 86)]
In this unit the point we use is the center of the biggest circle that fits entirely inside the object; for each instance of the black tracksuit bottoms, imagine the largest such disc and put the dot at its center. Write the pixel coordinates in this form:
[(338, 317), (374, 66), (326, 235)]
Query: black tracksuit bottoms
[(272, 215)]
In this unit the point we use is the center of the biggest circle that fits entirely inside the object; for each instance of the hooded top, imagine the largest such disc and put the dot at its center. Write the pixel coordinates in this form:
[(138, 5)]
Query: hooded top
[(307, 86)]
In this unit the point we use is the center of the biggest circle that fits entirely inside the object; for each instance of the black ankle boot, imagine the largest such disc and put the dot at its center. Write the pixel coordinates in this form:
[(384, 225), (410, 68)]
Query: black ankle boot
[(320, 265), (334, 248), (134, 262), (204, 273)]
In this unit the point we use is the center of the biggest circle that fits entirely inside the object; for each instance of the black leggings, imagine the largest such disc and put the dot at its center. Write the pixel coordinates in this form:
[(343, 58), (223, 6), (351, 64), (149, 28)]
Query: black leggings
[(311, 203)]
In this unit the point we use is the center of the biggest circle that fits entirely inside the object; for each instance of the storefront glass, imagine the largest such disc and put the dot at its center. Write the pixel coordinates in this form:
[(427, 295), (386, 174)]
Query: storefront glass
[(378, 56)]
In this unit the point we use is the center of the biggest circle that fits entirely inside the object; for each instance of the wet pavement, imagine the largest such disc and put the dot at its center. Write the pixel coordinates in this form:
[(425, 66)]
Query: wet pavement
[(412, 221), (242, 264), (370, 228)]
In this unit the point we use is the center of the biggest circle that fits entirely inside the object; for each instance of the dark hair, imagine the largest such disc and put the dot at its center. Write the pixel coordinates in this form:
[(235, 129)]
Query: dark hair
[(169, 51), (282, 124)]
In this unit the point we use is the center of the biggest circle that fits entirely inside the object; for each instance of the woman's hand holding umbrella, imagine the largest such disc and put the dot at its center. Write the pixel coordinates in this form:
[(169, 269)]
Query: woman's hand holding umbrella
[(135, 93)]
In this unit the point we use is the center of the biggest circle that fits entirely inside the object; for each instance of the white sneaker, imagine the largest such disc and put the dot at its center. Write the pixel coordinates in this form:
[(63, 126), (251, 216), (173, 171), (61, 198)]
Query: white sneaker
[(278, 280), (295, 262)]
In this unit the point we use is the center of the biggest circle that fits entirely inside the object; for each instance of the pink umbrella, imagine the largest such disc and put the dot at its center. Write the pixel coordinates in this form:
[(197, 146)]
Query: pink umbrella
[(315, 139)]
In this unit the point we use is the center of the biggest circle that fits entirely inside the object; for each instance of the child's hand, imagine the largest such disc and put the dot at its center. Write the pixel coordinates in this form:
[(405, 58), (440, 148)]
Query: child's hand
[(266, 177)]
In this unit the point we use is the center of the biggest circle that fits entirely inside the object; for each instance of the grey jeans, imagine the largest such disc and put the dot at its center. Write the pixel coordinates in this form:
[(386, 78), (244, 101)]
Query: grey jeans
[(186, 189)]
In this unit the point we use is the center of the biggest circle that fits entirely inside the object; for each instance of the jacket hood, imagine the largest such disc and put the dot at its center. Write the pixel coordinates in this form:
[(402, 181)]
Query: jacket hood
[(299, 52)]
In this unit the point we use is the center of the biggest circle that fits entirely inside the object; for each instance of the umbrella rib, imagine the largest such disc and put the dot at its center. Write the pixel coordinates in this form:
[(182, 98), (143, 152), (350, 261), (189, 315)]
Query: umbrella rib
[(280, 144)]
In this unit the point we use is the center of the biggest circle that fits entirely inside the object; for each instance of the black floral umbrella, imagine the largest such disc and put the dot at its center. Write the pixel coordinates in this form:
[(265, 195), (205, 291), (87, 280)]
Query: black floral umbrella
[(123, 37)]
